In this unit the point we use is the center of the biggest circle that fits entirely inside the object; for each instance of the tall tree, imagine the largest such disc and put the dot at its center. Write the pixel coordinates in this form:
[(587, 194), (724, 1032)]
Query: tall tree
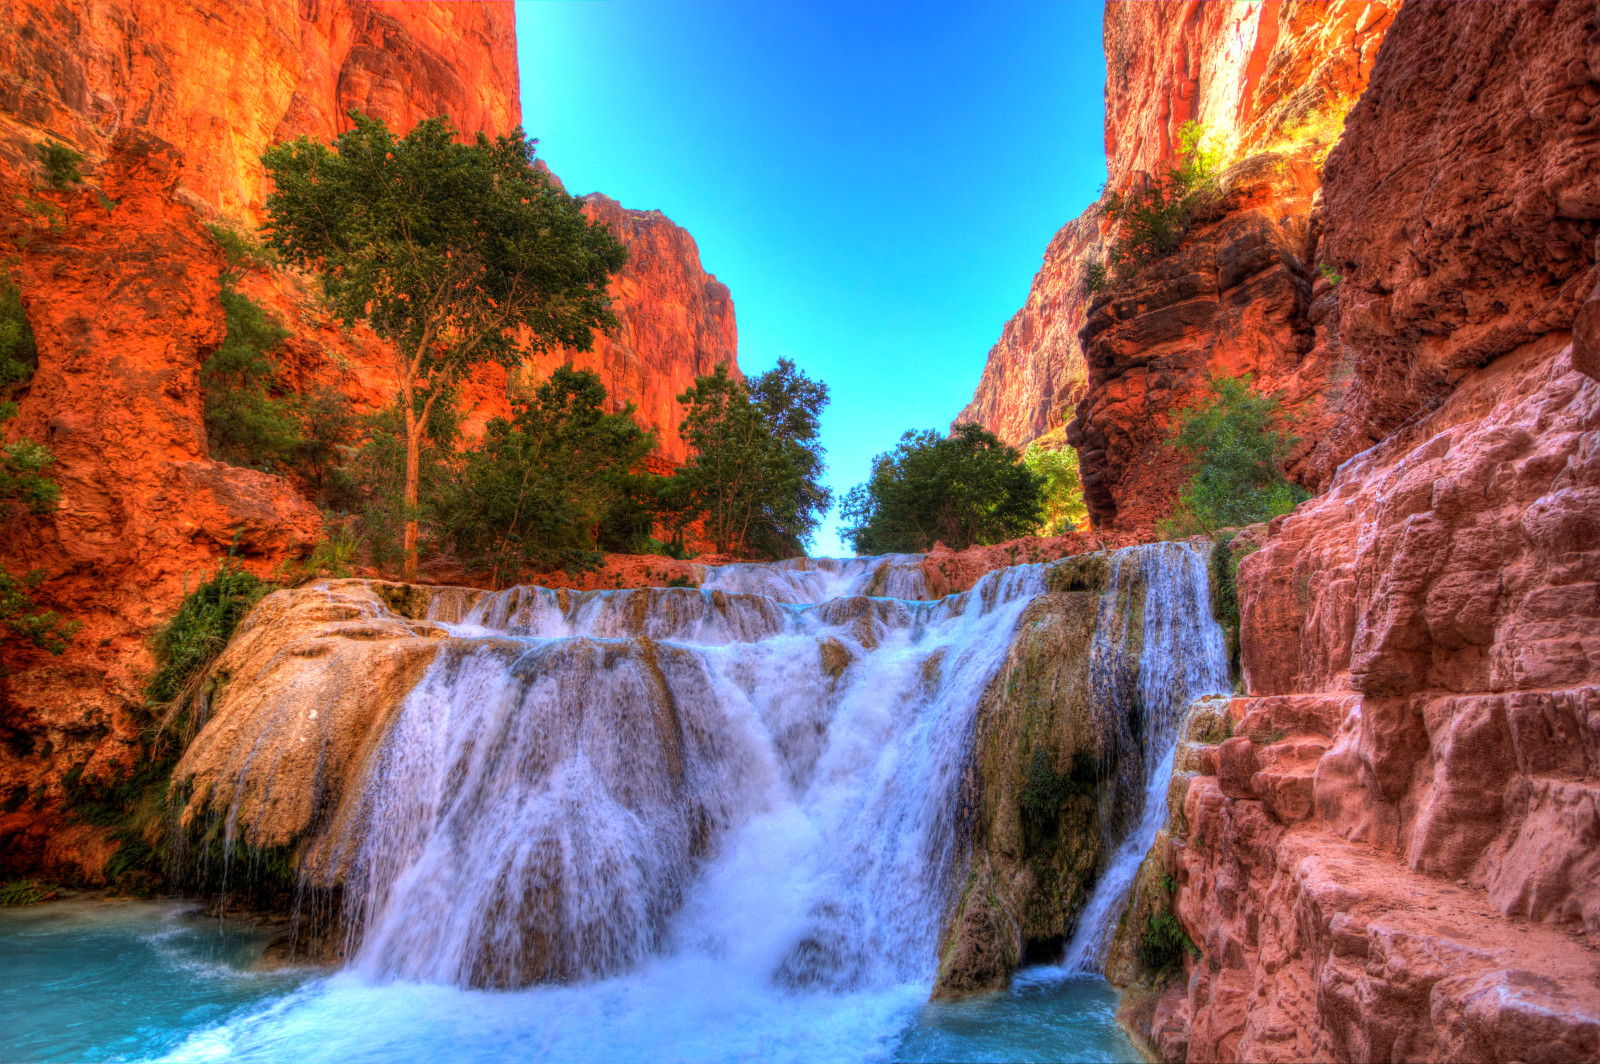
[(960, 489), (447, 250)]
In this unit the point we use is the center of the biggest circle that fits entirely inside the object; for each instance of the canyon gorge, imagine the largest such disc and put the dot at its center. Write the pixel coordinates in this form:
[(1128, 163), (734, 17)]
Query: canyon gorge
[(1322, 788)]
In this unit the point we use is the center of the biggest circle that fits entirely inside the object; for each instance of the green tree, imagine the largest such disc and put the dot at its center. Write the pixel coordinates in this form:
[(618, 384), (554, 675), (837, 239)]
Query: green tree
[(754, 474), (60, 164), (1234, 450), (536, 492), (451, 252), (1061, 499), (18, 354), (963, 489)]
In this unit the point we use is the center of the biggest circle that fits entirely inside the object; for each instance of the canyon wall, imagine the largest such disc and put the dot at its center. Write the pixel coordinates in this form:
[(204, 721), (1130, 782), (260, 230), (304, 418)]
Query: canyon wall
[(172, 105), (1396, 856), (1262, 77)]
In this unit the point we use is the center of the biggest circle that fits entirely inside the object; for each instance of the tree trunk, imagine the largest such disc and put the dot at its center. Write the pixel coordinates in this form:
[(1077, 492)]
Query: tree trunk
[(413, 450)]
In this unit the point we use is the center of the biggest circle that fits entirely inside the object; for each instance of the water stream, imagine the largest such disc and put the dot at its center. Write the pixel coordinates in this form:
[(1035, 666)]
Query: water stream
[(716, 823)]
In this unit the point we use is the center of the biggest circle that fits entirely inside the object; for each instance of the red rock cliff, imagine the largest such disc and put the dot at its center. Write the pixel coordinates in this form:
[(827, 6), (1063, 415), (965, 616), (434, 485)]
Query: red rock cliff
[(1397, 854), (1263, 76)]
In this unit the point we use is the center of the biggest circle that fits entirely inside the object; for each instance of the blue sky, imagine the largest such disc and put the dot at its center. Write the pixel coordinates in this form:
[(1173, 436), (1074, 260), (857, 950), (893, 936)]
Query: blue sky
[(875, 182)]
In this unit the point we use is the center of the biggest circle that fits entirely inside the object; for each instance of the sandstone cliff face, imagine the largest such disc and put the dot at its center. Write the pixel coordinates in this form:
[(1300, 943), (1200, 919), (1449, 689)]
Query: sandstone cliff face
[(221, 81), (1264, 77), (676, 322), (1397, 854)]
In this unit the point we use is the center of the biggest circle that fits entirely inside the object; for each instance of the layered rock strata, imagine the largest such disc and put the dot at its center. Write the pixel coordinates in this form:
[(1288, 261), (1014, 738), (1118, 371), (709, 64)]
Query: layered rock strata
[(1396, 855), (1261, 77)]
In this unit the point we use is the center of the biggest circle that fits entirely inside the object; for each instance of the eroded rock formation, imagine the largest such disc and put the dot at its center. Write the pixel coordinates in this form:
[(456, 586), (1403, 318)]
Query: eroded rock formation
[(1262, 77)]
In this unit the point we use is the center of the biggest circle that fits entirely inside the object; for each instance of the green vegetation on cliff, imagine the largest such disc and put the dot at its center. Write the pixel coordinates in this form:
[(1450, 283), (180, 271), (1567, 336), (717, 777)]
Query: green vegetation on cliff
[(1234, 450), (1153, 217), (963, 489), (1061, 498), (25, 487)]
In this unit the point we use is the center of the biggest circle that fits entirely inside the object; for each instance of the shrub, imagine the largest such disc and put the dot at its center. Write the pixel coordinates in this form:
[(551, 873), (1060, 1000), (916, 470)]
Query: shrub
[(1233, 450), (1095, 278), (19, 355), (60, 164), (1154, 217), (246, 425), (963, 489), (542, 482), (242, 253), (1062, 495), (1164, 941), (25, 892), (187, 645)]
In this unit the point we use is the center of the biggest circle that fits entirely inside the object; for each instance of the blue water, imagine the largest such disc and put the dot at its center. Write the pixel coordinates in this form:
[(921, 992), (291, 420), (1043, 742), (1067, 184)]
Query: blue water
[(96, 980)]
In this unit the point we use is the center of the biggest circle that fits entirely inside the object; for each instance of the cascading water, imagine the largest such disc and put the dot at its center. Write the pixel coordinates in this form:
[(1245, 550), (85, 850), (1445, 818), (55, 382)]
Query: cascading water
[(1181, 657), (716, 823), (556, 800)]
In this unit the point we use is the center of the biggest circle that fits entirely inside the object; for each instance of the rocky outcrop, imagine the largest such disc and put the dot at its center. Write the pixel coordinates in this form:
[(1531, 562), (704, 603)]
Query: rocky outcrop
[(124, 307), (1396, 855), (1262, 77), (1236, 298)]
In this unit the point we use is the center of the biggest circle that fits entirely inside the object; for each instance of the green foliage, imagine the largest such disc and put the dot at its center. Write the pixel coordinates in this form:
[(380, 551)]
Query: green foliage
[(1095, 278), (19, 356), (455, 253), (201, 628), (25, 486), (25, 892), (755, 469), (246, 424), (681, 581), (1154, 217), (1062, 497), (1162, 945), (960, 489), (60, 163), (243, 253), (1329, 274), (23, 621), (543, 481), (1169, 884), (1044, 789), (1233, 451)]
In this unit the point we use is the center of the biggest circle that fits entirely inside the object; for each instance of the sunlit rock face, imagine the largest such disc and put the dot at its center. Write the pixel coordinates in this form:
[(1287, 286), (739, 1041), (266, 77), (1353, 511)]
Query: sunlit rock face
[(172, 105), (1262, 77)]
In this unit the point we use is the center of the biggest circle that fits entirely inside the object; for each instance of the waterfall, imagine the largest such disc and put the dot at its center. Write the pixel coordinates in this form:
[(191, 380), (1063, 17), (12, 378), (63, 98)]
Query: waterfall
[(582, 781), (1181, 656), (770, 773)]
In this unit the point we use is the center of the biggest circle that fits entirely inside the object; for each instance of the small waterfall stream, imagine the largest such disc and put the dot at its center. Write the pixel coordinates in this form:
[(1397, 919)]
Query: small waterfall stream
[(1182, 657)]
